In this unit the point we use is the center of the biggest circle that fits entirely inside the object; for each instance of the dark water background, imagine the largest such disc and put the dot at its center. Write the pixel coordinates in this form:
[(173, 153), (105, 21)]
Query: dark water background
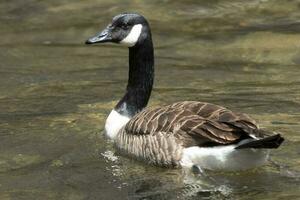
[(55, 94)]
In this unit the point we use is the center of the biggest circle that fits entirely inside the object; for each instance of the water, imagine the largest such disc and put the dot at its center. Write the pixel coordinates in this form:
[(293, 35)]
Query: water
[(55, 94)]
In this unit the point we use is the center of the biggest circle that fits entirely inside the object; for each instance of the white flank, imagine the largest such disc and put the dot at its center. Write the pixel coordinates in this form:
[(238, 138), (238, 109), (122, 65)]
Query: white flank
[(223, 158), (114, 122), (133, 36)]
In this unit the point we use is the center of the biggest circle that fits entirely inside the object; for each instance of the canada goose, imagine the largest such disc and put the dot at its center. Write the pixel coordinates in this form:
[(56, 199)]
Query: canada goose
[(183, 134)]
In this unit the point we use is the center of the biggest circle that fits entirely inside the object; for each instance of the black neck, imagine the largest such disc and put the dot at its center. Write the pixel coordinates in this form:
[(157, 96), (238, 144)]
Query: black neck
[(141, 74)]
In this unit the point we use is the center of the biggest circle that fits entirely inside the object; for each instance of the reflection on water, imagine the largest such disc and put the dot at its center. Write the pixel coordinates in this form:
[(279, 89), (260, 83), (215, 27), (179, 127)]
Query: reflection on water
[(55, 94)]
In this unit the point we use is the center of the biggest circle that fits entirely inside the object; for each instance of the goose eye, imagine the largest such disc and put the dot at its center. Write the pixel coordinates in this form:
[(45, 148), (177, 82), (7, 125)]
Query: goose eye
[(124, 26)]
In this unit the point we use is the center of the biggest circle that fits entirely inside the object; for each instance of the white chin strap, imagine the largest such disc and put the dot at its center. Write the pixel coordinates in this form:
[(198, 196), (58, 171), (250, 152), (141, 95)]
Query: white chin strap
[(132, 38)]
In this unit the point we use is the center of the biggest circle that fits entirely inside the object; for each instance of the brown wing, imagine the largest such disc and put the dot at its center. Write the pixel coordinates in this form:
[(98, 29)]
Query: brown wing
[(194, 123)]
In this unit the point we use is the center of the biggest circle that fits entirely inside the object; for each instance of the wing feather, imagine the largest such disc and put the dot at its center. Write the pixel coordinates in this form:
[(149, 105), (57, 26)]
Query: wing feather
[(194, 123)]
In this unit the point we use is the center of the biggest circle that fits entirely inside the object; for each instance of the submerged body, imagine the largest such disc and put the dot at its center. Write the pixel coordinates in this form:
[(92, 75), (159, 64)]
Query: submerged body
[(181, 134), (189, 133), (167, 151)]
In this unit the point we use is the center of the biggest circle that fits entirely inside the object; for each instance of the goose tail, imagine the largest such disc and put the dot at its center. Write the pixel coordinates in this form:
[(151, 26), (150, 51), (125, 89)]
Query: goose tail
[(270, 142)]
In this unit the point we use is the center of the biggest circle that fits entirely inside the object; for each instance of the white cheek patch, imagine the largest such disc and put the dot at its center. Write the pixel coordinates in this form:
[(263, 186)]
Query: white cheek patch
[(133, 36)]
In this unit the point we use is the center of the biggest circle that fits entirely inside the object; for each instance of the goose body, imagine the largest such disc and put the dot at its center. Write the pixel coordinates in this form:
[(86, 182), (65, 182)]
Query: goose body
[(181, 134)]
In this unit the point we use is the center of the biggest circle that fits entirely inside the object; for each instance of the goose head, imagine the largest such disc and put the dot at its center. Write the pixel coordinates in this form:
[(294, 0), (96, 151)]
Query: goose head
[(129, 29)]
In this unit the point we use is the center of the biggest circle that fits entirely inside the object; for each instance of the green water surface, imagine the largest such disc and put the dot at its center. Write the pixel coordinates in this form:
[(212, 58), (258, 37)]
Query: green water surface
[(55, 94)]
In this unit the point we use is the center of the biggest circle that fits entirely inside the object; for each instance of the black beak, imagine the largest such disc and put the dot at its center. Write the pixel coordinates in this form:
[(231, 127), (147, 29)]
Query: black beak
[(101, 37)]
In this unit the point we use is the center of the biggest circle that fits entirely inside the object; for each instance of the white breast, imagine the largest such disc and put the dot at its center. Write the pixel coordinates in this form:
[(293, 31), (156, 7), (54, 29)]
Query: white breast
[(132, 38), (223, 158), (114, 122)]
